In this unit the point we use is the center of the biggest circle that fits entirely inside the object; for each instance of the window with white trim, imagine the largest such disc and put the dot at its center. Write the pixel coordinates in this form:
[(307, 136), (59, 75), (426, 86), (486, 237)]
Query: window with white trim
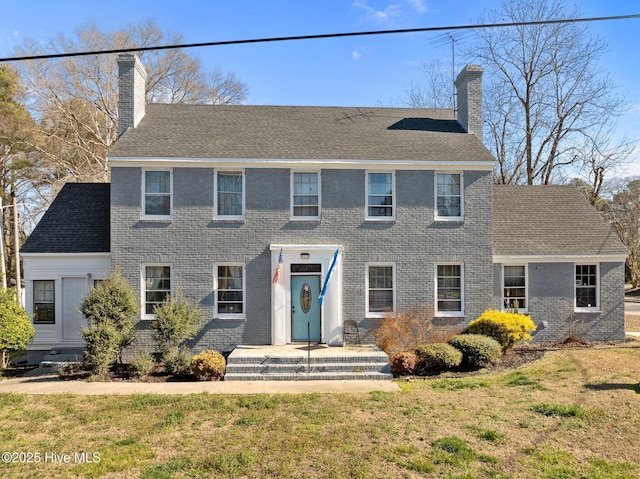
[(449, 289), (305, 195), (44, 302), (230, 293), (381, 292), (514, 287), (230, 194), (157, 194), (449, 201), (157, 287), (380, 196), (587, 286)]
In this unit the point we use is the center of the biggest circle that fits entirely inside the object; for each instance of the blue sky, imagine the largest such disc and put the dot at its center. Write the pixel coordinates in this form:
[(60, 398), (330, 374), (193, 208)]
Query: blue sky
[(362, 71)]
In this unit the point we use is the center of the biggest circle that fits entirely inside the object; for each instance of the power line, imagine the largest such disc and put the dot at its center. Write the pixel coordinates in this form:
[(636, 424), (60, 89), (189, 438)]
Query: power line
[(316, 37)]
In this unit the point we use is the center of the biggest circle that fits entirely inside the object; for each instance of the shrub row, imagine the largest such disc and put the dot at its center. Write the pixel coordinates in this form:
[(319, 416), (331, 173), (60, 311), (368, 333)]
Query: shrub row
[(206, 365), (471, 351)]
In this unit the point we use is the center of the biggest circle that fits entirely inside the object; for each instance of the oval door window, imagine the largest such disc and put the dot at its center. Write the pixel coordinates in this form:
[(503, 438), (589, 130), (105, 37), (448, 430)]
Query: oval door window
[(305, 297)]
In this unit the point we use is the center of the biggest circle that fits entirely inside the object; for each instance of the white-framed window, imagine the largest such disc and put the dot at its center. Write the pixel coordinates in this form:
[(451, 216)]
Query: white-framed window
[(514, 287), (449, 199), (305, 195), (157, 200), (587, 287), (380, 283), (450, 289), (230, 290), (229, 198), (44, 301), (157, 287), (380, 198)]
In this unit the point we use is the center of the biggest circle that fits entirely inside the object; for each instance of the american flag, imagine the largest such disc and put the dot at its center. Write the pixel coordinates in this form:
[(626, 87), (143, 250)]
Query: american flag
[(276, 276)]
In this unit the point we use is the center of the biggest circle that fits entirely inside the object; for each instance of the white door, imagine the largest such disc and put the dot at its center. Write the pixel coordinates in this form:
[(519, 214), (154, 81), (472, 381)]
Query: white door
[(73, 292)]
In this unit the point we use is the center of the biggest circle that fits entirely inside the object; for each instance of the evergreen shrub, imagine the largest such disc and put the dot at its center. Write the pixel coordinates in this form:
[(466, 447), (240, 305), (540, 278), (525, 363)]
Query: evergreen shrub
[(208, 365), (436, 357), (478, 351), (506, 328)]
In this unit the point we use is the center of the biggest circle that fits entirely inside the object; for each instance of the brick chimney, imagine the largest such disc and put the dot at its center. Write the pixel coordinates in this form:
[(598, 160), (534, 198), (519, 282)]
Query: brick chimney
[(469, 88), (131, 86)]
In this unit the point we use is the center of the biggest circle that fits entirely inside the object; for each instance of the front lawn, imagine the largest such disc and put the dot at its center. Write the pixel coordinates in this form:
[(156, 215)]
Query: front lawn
[(573, 414)]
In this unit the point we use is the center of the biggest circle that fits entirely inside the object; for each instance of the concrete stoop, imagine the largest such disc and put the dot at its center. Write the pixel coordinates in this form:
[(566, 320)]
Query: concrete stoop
[(61, 357), (299, 363)]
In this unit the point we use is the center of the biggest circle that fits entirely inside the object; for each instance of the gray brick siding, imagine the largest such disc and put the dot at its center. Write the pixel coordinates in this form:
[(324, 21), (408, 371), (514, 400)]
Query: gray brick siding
[(193, 242), (551, 302)]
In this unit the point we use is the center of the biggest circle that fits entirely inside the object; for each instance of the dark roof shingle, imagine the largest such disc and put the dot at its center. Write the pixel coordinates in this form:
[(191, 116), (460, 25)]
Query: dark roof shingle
[(76, 222), (299, 132), (549, 221)]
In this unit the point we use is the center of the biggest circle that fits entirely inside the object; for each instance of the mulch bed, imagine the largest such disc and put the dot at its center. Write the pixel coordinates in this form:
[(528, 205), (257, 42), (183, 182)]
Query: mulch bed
[(123, 373), (17, 370)]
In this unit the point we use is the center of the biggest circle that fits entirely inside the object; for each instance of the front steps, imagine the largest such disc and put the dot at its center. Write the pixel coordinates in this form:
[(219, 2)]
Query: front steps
[(299, 363)]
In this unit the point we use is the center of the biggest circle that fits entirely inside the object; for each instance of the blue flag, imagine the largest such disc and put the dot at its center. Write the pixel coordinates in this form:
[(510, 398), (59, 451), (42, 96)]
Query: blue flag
[(328, 277)]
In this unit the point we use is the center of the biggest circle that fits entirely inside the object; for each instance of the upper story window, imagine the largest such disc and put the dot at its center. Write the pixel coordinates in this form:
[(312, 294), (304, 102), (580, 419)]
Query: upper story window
[(514, 282), (380, 196), (230, 194), (157, 194), (587, 287), (44, 304), (305, 195), (449, 201), (381, 292), (449, 290), (157, 287)]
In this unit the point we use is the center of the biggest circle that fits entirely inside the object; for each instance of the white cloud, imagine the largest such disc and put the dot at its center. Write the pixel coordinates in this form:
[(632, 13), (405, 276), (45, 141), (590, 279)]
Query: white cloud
[(418, 5), (391, 11), (356, 55)]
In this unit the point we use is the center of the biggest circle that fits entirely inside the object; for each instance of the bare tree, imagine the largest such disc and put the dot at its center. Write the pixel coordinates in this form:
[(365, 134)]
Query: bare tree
[(75, 99), (437, 90), (18, 168), (547, 99), (624, 213)]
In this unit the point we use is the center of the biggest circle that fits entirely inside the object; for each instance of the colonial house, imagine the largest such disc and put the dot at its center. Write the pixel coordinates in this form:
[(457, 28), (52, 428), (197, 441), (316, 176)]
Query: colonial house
[(247, 209)]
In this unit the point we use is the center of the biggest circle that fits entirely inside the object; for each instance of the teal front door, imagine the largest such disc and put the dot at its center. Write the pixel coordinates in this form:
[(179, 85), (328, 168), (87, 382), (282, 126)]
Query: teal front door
[(305, 308)]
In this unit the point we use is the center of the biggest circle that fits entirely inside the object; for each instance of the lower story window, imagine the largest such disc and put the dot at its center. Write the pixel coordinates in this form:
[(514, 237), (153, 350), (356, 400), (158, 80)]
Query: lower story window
[(157, 286), (230, 290), (514, 287), (586, 286), (380, 289), (449, 286), (44, 305)]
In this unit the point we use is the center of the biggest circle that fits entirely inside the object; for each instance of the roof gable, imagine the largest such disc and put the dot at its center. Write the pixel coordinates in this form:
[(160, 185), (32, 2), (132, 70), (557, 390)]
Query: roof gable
[(286, 132), (76, 222)]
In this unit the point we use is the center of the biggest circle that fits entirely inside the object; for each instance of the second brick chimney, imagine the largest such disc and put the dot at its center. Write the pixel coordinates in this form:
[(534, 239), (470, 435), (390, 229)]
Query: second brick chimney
[(131, 97)]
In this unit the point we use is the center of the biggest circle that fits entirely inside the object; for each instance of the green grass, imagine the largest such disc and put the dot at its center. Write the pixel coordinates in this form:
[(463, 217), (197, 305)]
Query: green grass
[(563, 410), (534, 422)]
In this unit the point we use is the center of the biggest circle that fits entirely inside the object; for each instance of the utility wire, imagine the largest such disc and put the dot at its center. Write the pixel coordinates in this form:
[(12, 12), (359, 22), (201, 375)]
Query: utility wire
[(317, 36)]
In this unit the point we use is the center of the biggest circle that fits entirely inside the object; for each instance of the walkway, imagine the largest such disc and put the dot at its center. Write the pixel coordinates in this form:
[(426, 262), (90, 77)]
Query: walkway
[(45, 381)]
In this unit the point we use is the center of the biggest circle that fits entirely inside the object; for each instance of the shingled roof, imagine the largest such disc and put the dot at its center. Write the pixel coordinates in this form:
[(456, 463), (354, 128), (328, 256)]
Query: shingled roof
[(299, 132), (76, 222), (549, 221)]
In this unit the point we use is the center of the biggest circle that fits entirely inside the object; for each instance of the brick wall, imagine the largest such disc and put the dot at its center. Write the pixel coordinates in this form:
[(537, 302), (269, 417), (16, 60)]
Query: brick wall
[(193, 242)]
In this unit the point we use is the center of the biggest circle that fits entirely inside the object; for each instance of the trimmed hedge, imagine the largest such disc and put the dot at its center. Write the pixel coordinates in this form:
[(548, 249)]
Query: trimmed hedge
[(478, 351), (436, 357)]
